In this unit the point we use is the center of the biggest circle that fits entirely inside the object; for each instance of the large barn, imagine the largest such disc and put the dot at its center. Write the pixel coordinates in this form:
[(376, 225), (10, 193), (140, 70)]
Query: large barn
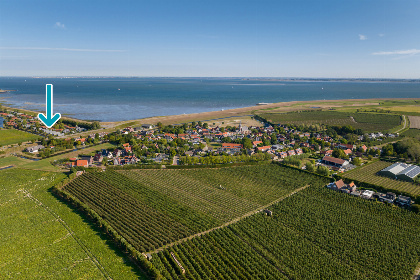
[(338, 162), (402, 171)]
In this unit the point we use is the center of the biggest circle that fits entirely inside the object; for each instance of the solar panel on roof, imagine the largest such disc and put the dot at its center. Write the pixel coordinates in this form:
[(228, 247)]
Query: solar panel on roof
[(415, 170)]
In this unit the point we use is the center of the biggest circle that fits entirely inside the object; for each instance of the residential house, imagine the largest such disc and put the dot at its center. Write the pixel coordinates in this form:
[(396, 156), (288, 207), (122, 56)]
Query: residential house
[(283, 154), (336, 185), (389, 197), (349, 188), (231, 147), (35, 149), (98, 157), (264, 148), (89, 159), (81, 163), (367, 194), (403, 200)]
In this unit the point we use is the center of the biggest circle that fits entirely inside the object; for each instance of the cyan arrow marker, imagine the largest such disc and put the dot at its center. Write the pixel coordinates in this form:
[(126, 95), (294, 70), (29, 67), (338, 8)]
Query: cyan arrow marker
[(48, 119)]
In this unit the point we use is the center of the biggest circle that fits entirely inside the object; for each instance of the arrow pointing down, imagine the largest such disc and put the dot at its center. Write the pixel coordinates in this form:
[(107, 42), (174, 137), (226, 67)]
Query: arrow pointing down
[(49, 120)]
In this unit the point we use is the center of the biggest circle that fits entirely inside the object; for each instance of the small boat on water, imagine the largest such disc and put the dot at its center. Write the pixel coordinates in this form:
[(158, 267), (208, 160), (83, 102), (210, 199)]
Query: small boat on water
[(263, 103)]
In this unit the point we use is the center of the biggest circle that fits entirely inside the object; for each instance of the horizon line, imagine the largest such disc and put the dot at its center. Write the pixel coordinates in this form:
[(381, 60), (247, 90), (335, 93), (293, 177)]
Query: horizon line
[(198, 77)]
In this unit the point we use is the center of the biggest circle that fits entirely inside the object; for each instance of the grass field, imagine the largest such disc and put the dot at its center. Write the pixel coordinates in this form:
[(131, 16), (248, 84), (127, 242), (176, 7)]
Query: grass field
[(314, 234), (15, 161), (152, 208), (45, 164), (42, 238), (13, 136), (368, 122), (368, 174)]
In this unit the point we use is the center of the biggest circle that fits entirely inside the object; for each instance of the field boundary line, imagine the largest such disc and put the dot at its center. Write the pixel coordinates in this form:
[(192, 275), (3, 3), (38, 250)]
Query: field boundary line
[(90, 255), (255, 211)]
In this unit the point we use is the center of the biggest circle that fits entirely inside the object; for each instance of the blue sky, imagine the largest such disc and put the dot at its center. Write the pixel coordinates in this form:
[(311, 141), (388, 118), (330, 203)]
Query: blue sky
[(368, 39)]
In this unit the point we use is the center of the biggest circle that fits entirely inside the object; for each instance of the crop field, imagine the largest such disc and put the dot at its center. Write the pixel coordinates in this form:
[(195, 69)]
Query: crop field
[(368, 174), (152, 208), (314, 234), (368, 122), (414, 121), (13, 136), (412, 132), (42, 238)]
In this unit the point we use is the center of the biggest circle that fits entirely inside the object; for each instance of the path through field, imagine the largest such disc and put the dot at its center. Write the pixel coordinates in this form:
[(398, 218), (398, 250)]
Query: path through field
[(259, 209), (405, 124)]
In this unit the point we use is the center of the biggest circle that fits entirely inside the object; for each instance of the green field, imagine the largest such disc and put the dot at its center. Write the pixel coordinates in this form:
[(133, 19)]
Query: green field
[(412, 132), (42, 238), (45, 164), (152, 208), (368, 122), (367, 174), (13, 136), (15, 161), (314, 234)]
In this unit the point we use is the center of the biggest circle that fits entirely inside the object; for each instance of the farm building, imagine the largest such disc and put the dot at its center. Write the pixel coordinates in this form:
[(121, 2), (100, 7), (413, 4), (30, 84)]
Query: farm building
[(338, 162), (402, 171), (409, 173)]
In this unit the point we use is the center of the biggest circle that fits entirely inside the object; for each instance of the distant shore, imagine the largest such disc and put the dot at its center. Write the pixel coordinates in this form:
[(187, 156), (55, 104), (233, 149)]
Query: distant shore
[(243, 111)]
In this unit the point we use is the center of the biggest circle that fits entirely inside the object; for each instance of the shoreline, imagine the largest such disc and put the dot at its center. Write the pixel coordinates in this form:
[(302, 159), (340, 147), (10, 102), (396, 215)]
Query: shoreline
[(239, 112)]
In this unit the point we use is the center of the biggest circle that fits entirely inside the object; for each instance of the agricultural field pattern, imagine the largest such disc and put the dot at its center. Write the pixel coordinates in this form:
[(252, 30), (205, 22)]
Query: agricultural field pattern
[(368, 122), (181, 217)]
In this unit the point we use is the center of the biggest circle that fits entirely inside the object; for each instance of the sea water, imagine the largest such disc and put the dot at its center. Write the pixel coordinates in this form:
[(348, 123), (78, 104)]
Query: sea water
[(118, 99)]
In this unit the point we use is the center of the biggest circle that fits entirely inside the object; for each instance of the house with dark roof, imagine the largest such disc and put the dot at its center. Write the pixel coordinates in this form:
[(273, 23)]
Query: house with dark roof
[(389, 197), (89, 159), (35, 149), (403, 200)]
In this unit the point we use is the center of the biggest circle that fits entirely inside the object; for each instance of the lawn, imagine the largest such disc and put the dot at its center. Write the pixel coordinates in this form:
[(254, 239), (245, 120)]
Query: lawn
[(36, 226), (13, 136), (15, 161)]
